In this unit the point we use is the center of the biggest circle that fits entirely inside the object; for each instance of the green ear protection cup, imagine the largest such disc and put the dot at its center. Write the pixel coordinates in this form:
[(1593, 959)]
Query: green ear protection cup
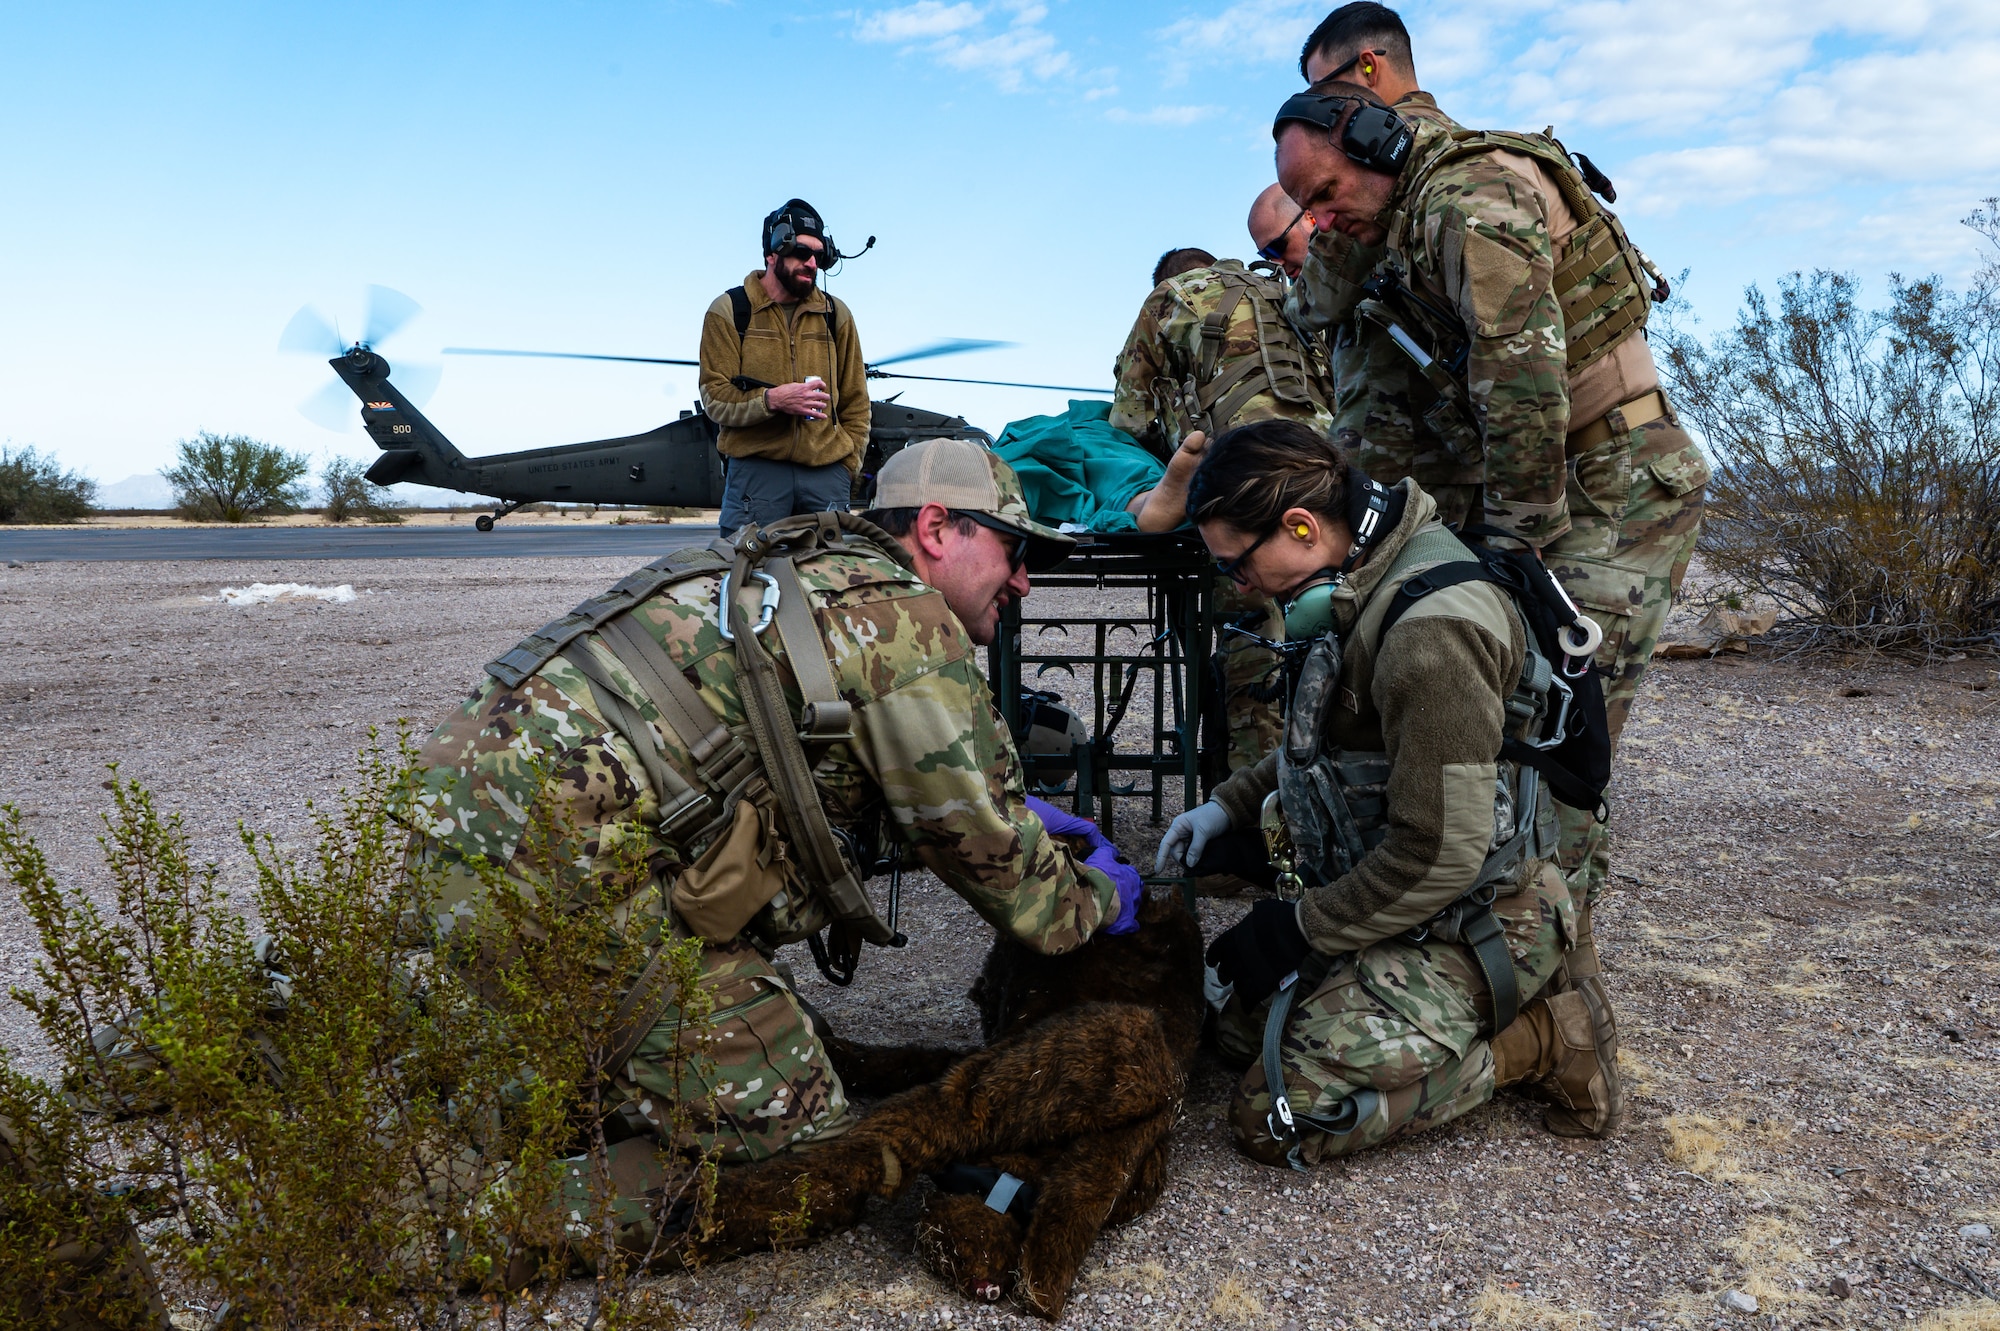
[(1309, 614)]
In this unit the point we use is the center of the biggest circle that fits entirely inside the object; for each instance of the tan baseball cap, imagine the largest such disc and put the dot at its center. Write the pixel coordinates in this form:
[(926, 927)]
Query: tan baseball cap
[(965, 475)]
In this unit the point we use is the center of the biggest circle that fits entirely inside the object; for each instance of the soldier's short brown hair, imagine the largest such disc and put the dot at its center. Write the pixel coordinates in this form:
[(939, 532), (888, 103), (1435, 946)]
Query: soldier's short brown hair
[(1175, 262), (1360, 26), (1253, 474)]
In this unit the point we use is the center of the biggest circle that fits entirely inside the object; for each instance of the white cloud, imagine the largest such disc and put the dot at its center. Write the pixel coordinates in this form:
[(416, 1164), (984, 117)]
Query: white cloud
[(1012, 50), (1250, 31), (1161, 115), (926, 18)]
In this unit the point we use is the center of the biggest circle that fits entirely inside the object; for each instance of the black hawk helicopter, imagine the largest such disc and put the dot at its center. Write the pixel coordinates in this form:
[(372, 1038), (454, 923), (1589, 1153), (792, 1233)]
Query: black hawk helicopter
[(675, 464)]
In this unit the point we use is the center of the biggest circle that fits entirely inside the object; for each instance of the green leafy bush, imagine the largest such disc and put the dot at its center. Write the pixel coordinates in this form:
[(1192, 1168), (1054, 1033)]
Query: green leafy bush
[(35, 488), (234, 478), (333, 1124), (1857, 456), (348, 493)]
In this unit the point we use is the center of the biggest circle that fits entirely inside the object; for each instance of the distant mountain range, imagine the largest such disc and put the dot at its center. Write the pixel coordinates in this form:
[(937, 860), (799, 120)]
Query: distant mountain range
[(147, 490)]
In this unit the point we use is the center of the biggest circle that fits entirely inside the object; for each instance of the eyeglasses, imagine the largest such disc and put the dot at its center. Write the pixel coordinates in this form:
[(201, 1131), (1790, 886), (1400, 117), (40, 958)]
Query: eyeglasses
[(1377, 52), (801, 252), (1017, 555), (1274, 249), (1232, 569)]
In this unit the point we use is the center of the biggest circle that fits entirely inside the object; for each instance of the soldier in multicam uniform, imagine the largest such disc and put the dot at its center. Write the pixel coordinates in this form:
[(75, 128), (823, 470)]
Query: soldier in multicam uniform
[(1375, 997), (1211, 349), (578, 732), (1377, 392), (1535, 407)]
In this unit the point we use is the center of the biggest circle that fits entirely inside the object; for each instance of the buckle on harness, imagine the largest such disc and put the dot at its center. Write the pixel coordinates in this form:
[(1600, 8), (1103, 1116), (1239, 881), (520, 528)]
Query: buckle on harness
[(691, 808), (1558, 732), (766, 612)]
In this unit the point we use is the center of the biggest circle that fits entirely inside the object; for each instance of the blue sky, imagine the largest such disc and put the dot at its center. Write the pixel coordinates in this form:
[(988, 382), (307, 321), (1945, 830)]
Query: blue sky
[(180, 179)]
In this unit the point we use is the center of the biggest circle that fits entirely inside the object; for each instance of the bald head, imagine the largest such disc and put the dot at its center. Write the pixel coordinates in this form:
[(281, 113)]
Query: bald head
[(1270, 217)]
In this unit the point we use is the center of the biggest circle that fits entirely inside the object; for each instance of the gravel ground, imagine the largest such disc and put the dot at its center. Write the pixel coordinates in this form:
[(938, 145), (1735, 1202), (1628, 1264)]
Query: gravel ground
[(1802, 944)]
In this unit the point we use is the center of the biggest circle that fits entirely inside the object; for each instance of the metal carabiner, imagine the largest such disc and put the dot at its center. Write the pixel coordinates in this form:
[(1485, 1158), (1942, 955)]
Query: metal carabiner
[(1559, 730), (767, 612)]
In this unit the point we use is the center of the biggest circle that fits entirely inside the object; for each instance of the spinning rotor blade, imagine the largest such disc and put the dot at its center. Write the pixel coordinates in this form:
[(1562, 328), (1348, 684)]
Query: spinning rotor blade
[(311, 333), (565, 355), (416, 379), (331, 408), (388, 311), (951, 346), (990, 383)]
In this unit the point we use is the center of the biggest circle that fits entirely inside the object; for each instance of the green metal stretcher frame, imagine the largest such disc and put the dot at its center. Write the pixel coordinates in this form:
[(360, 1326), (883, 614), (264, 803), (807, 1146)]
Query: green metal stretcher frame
[(1173, 639)]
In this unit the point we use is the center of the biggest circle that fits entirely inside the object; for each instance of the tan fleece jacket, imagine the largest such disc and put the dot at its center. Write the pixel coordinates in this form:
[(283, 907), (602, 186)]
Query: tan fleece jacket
[(783, 345), (1435, 702)]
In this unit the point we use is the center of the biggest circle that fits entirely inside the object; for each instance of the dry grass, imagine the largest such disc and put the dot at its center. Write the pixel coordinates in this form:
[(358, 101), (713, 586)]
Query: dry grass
[(1700, 1145), (1234, 1303), (1980, 1315), (1499, 1307)]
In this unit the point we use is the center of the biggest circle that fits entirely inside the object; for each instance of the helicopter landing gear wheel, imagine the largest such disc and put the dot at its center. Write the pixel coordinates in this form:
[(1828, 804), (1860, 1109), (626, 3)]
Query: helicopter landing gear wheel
[(484, 522)]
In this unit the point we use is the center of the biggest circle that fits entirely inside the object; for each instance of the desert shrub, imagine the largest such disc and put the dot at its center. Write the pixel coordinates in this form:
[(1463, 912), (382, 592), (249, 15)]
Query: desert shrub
[(348, 493), (1857, 457), (234, 478), (35, 488), (334, 1125)]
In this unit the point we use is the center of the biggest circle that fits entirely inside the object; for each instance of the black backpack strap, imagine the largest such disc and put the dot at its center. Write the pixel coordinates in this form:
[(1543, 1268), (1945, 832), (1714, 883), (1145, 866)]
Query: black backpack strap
[(739, 305), (832, 317), (1433, 580)]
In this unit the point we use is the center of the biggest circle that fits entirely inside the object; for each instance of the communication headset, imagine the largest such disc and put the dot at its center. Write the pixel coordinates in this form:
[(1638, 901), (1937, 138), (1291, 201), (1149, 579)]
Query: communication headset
[(783, 227), (1309, 614), (1374, 136)]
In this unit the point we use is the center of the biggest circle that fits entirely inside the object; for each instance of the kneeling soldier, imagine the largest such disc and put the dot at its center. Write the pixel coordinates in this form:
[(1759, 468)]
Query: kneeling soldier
[(842, 696), (1426, 961)]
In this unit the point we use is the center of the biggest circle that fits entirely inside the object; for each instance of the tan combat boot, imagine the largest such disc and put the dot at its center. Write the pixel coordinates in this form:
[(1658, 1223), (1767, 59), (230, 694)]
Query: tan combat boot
[(1553, 1044)]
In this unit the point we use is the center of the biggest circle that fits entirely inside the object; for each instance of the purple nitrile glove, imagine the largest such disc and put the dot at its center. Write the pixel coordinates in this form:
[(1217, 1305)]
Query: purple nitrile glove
[(1131, 888), (1104, 858), (1065, 824)]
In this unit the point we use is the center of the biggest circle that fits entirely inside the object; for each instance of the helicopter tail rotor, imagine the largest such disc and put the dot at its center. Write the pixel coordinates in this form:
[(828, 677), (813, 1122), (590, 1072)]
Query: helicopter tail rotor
[(312, 333)]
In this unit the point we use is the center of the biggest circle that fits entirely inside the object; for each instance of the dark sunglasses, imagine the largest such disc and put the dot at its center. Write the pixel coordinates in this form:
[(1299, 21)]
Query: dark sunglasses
[(1232, 569), (1274, 249), (1017, 557), (1378, 53), (801, 252)]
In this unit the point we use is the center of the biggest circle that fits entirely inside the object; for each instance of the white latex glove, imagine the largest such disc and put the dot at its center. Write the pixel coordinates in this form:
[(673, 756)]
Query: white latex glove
[(1189, 834)]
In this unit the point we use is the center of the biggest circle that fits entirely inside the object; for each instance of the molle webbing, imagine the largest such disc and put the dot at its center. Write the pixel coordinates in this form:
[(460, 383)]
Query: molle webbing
[(1279, 367), (540, 647), (1600, 277)]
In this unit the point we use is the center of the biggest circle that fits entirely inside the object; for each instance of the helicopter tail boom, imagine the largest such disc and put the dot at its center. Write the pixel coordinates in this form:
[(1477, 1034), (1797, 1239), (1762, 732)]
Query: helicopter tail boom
[(412, 448)]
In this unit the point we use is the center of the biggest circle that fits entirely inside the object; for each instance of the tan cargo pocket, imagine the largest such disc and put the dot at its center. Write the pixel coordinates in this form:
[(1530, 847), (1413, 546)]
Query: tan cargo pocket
[(1683, 470), (734, 878), (1599, 584)]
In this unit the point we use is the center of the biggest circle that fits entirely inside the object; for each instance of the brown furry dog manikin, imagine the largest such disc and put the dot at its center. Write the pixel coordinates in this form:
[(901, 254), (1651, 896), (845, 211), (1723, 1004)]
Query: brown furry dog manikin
[(1063, 1119)]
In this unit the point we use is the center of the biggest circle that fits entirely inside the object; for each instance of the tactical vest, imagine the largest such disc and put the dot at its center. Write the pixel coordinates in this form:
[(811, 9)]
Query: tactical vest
[(1601, 281), (1334, 801), (767, 757), (1210, 400)]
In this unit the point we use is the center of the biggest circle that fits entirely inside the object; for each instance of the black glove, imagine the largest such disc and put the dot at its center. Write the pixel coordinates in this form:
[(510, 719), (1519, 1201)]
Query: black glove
[(1259, 951)]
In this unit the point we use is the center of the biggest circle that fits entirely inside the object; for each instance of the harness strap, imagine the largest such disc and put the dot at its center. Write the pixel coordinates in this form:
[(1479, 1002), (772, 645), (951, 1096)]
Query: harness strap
[(827, 717), (1215, 325), (678, 800), (791, 776), (645, 1002), (1283, 1121), (1487, 937), (681, 708)]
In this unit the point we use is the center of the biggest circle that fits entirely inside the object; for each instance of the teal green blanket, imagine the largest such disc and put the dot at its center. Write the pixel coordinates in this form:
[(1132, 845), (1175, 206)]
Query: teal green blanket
[(1078, 468)]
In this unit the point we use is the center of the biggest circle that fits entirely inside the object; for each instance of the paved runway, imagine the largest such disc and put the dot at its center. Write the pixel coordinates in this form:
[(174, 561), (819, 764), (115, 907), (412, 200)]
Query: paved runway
[(456, 542)]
